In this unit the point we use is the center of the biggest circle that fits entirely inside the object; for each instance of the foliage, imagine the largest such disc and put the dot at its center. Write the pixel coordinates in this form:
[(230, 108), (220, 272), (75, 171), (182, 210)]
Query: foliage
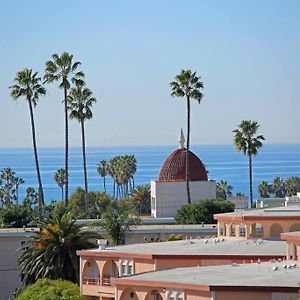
[(9, 186), (264, 189), (202, 211), (98, 203), (278, 187), (118, 219), (292, 185), (187, 84), (174, 237), (103, 169), (141, 197), (51, 253), (224, 190), (15, 216), (247, 143), (45, 289)]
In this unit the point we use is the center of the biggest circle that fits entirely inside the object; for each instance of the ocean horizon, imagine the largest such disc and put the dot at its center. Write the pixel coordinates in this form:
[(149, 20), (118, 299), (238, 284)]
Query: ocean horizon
[(223, 162)]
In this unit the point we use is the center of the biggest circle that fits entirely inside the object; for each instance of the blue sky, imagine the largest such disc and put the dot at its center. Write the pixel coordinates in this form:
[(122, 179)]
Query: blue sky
[(246, 52)]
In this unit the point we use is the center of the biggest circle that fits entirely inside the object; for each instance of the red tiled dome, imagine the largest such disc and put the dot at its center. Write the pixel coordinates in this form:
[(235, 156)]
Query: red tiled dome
[(173, 168)]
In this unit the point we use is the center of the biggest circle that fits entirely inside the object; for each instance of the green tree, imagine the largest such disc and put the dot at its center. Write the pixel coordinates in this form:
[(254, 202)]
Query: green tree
[(17, 181), (61, 68), (103, 170), (278, 187), (224, 190), (264, 189), (51, 253), (28, 86), (80, 102), (246, 142), (240, 194), (292, 185), (31, 197), (7, 187), (15, 216), (187, 84), (202, 211), (46, 289), (118, 219), (60, 179), (141, 197)]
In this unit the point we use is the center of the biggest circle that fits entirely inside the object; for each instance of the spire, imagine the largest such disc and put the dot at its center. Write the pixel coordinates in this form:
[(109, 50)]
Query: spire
[(181, 140)]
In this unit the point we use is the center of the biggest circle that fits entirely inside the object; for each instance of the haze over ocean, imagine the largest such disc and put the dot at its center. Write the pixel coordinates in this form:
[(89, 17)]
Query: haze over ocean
[(222, 162)]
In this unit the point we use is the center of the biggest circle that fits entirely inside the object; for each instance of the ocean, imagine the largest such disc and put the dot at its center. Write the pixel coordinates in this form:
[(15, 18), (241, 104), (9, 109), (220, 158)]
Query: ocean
[(223, 162)]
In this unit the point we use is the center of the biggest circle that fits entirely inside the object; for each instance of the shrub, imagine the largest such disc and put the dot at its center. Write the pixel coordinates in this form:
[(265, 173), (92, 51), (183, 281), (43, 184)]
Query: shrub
[(46, 289)]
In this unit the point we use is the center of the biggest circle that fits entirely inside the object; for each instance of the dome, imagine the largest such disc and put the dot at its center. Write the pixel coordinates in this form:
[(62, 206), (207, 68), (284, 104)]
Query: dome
[(173, 168)]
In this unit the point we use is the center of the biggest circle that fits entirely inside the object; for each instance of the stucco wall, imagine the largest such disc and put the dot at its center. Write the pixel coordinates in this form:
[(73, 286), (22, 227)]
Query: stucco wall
[(169, 196)]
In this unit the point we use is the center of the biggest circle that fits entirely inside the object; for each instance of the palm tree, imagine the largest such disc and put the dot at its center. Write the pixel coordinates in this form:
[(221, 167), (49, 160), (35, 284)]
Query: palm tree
[(28, 86), (62, 68), (292, 185), (80, 102), (17, 182), (278, 188), (246, 142), (264, 189), (187, 84), (224, 189), (60, 179), (51, 252), (103, 170), (141, 197)]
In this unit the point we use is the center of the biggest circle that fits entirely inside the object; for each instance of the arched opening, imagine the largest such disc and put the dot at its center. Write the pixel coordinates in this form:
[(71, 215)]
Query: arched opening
[(256, 230), (232, 229), (294, 227), (222, 229), (242, 228), (154, 295), (275, 231), (91, 274), (129, 294), (293, 251), (110, 269)]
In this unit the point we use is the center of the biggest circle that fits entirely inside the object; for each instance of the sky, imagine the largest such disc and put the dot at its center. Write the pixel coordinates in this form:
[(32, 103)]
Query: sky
[(246, 52)]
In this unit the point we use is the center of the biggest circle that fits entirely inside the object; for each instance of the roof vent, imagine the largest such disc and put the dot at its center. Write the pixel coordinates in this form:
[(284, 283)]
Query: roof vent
[(102, 244)]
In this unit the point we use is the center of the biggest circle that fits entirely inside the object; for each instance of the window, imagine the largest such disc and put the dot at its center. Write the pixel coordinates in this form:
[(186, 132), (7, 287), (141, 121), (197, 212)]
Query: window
[(123, 269), (129, 270)]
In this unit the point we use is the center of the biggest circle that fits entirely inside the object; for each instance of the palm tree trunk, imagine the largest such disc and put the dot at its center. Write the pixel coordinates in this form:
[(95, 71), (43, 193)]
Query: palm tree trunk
[(104, 184), (187, 175), (250, 180), (40, 192), (66, 148), (84, 165), (62, 193), (17, 194)]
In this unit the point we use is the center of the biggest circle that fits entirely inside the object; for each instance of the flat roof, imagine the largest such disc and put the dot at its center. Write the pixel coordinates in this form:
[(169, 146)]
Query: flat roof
[(236, 275), (291, 236), (201, 247), (289, 212)]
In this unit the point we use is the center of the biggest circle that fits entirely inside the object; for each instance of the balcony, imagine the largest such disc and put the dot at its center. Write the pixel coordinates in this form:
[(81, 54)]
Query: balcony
[(106, 280), (91, 280)]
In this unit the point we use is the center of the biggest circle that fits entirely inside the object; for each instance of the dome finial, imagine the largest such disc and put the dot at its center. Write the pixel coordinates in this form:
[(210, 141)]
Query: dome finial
[(181, 140)]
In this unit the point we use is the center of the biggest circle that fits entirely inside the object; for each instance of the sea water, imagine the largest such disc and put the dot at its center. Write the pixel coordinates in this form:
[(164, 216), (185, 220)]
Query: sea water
[(223, 162)]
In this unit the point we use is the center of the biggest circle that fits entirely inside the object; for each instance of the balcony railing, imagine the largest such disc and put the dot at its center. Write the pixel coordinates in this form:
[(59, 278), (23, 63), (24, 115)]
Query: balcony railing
[(106, 280), (91, 280)]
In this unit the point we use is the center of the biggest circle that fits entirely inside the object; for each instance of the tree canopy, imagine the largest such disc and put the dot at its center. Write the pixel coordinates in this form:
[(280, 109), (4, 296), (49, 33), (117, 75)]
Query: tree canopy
[(46, 289), (202, 211)]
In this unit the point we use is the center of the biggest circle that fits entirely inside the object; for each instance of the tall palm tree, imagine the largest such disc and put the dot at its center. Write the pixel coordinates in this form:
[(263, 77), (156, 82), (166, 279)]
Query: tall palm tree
[(51, 252), (60, 179), (141, 197), (103, 170), (80, 102), (28, 86), (264, 189), (17, 182), (187, 84), (224, 189), (61, 68), (246, 142)]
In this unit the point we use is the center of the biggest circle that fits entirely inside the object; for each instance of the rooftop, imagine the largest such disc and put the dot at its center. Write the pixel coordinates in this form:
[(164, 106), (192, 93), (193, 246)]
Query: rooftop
[(201, 247), (241, 275), (290, 212)]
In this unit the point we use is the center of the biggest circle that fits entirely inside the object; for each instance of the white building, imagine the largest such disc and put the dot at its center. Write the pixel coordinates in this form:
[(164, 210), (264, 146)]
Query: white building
[(169, 193)]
